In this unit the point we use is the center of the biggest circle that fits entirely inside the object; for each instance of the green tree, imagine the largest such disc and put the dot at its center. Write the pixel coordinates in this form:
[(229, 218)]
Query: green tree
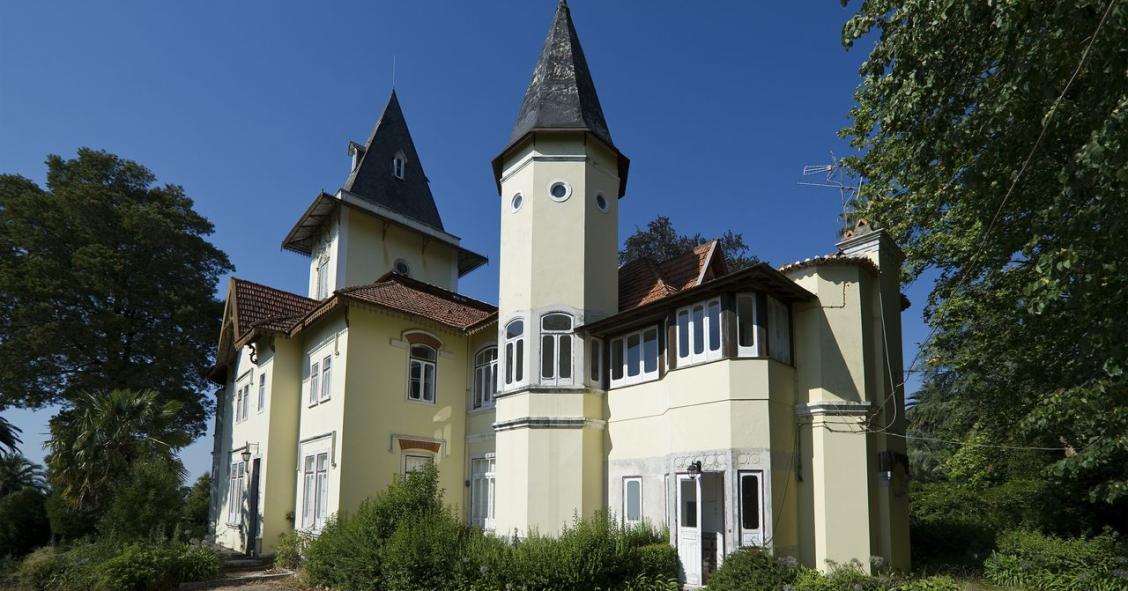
[(18, 472), (1001, 161), (97, 441), (106, 281), (9, 435), (660, 242), (23, 522), (146, 503), (194, 518)]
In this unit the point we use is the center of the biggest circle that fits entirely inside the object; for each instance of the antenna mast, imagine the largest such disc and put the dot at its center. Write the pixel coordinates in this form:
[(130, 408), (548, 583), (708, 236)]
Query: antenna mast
[(836, 175)]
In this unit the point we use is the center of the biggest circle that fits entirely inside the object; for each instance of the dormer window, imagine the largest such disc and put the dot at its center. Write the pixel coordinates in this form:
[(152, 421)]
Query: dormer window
[(397, 166)]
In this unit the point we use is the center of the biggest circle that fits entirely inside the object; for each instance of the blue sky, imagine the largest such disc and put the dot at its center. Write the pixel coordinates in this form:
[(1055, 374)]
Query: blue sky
[(250, 106)]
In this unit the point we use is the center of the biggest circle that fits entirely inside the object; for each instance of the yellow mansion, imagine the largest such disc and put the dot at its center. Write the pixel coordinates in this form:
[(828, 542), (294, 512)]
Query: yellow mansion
[(759, 407)]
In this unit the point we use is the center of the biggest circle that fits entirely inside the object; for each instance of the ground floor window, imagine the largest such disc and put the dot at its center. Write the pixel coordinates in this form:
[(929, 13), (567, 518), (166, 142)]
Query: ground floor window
[(632, 500), (416, 462), (315, 490), (482, 492), (236, 493), (751, 508)]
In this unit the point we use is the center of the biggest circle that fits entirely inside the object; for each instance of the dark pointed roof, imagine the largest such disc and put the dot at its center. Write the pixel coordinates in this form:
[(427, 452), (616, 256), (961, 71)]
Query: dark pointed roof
[(561, 94), (374, 181)]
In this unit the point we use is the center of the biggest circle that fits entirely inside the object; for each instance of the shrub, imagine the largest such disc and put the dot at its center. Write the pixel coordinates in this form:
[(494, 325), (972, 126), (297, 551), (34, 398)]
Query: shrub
[(23, 522), (658, 560), (1031, 560), (138, 568), (196, 563), (39, 568), (290, 549), (68, 523), (426, 554), (51, 569), (751, 569), (146, 503), (194, 514)]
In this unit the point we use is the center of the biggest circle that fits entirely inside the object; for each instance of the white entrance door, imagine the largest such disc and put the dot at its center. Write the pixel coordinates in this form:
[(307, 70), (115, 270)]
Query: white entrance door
[(689, 527)]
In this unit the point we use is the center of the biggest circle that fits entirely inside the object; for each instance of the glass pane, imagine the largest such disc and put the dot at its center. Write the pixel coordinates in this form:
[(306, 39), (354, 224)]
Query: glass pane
[(650, 350), (428, 382), (566, 356), (749, 502), (698, 329), (746, 320), (492, 382), (634, 500), (617, 359), (515, 329), (556, 322), (683, 333), (423, 352), (634, 354), (309, 464), (596, 360), (547, 355), (714, 326), (519, 372), (322, 460), (688, 509), (509, 363)]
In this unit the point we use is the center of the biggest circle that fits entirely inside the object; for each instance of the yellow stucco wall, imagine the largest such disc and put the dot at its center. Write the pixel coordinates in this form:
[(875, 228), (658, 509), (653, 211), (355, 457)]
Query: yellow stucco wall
[(372, 248)]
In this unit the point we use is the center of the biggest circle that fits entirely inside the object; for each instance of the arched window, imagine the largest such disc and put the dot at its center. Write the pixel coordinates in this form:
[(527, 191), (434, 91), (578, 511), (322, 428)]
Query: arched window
[(485, 377), (556, 348), (398, 166), (421, 374), (515, 352)]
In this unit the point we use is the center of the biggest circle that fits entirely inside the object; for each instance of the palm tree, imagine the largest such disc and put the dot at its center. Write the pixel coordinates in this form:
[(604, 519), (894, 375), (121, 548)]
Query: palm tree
[(18, 473), (9, 435), (93, 443)]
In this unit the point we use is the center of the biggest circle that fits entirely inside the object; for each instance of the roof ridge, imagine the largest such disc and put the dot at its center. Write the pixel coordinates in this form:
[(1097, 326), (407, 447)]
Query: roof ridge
[(391, 276)]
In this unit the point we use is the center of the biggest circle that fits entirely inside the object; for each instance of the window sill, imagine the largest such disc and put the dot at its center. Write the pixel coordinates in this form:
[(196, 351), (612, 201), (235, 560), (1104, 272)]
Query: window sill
[(625, 382), (482, 409), (422, 402)]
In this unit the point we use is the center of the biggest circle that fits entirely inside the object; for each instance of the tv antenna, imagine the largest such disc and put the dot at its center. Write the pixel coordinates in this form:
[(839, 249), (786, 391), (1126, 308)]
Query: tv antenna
[(836, 175)]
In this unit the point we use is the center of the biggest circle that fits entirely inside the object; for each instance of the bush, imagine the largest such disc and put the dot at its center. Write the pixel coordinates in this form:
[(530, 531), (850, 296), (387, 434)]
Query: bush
[(138, 568), (23, 522), (290, 549), (1030, 560), (39, 568), (752, 569), (658, 560), (103, 567), (194, 514), (196, 563), (146, 504), (51, 569), (68, 523), (426, 554)]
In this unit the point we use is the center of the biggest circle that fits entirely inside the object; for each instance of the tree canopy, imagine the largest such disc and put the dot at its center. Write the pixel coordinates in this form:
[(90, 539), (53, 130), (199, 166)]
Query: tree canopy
[(660, 242), (994, 146), (106, 281)]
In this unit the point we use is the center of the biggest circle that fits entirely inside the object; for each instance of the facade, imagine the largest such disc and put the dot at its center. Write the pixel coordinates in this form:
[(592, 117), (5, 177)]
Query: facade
[(751, 407)]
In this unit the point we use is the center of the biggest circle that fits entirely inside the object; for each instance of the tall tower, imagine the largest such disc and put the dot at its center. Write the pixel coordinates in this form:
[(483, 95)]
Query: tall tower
[(560, 179)]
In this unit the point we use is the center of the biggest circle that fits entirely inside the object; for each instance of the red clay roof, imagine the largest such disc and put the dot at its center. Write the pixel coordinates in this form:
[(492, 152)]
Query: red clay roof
[(260, 306), (411, 296), (643, 281)]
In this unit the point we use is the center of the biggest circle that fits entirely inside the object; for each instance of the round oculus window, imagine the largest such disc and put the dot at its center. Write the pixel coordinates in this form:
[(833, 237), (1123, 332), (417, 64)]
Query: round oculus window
[(559, 191), (515, 204), (601, 202), (402, 267)]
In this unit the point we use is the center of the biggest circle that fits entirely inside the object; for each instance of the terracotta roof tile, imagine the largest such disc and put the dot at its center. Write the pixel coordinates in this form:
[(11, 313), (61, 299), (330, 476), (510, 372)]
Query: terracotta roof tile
[(829, 259), (643, 281), (260, 306), (411, 296)]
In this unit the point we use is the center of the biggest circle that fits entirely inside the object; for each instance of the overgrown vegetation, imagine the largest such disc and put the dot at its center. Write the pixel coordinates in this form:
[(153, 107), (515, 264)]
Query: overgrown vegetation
[(404, 539), (750, 569), (152, 565)]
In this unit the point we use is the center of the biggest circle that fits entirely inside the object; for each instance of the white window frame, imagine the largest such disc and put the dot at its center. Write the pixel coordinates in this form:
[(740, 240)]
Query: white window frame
[(237, 494), (321, 490), (515, 374), (621, 345), (627, 481), (483, 483), (557, 338), (595, 362), (424, 365), (485, 377), (309, 494), (414, 457), (314, 381), (743, 350), (326, 379), (751, 536), (687, 333), (323, 277), (262, 393)]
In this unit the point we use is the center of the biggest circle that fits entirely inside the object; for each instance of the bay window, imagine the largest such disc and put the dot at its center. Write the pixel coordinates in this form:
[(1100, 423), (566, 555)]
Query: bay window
[(634, 357), (699, 332), (421, 373), (485, 377), (556, 348)]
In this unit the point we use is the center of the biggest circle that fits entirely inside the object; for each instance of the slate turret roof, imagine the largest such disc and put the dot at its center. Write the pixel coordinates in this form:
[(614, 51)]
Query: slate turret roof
[(373, 179), (561, 94)]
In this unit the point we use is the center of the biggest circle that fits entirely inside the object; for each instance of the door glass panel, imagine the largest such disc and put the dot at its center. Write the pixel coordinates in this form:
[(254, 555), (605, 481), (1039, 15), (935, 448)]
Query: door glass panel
[(749, 502), (688, 510), (634, 501)]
